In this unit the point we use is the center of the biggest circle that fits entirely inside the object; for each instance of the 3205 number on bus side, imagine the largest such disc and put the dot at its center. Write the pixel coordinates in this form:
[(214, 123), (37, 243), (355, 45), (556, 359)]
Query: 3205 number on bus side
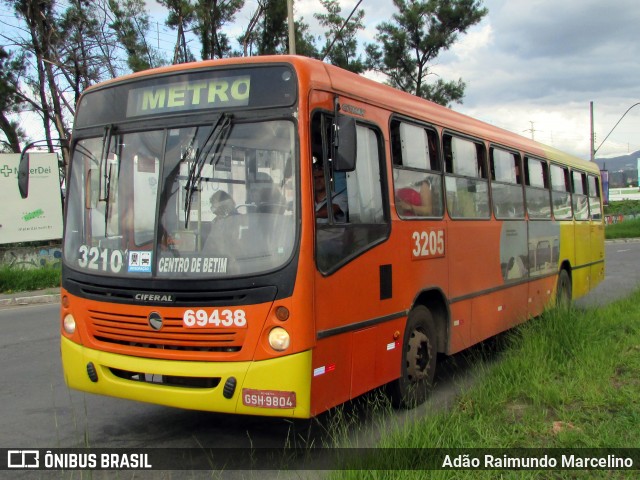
[(427, 244)]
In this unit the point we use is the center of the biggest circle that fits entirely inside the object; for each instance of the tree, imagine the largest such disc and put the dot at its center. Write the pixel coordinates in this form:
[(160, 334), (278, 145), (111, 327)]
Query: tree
[(130, 24), (305, 41), (43, 41), (11, 102), (181, 15), (80, 61), (274, 32), (414, 38), (268, 32), (211, 16), (341, 44)]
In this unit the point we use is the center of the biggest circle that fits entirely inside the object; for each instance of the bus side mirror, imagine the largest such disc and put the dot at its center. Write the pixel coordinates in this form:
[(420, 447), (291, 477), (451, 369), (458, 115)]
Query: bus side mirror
[(345, 144), (23, 175)]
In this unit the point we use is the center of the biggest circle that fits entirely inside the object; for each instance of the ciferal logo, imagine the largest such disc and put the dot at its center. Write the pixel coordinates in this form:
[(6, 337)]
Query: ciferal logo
[(155, 320), (23, 459), (154, 297)]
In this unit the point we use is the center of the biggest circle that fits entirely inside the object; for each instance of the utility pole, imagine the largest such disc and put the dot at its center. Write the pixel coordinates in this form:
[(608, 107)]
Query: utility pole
[(292, 31), (592, 147), (531, 130)]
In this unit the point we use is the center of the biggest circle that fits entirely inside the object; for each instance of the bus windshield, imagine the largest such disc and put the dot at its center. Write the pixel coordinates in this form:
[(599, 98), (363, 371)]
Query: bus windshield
[(209, 200)]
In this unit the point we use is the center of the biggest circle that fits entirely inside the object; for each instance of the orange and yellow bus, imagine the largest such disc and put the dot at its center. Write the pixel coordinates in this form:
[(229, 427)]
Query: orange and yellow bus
[(276, 236)]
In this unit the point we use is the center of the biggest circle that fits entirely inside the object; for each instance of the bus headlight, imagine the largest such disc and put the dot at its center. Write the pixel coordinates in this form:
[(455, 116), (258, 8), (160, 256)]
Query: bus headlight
[(69, 324), (279, 339)]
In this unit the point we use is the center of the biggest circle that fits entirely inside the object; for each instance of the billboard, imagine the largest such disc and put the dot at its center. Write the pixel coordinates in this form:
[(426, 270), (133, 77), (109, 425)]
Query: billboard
[(39, 216)]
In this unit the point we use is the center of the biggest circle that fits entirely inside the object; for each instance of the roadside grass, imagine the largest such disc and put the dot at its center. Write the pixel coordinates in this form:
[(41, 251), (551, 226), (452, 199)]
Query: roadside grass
[(568, 379), (19, 280), (626, 229)]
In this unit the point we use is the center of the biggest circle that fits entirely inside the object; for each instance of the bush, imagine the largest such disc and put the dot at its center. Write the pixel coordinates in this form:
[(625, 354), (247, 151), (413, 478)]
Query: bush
[(19, 280), (626, 229)]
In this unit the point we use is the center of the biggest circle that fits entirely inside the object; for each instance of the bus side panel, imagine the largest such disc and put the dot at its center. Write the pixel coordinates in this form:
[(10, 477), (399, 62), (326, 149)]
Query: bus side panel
[(597, 253), (516, 304), (460, 327), (474, 259), (474, 267), (541, 294), (581, 275), (375, 363), (488, 316), (331, 375)]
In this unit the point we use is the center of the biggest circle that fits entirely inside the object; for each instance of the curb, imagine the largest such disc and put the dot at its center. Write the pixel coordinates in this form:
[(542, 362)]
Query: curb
[(623, 240), (30, 300)]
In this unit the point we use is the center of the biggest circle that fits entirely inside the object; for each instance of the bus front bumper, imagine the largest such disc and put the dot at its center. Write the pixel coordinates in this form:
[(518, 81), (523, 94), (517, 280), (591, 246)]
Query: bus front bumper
[(276, 387)]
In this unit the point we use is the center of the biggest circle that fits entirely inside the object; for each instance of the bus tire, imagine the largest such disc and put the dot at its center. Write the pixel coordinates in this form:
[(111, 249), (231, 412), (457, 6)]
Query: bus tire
[(563, 290), (418, 361)]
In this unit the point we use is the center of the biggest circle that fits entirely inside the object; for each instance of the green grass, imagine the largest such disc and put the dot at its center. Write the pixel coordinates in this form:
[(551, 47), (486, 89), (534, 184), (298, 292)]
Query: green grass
[(626, 229), (569, 379), (19, 280)]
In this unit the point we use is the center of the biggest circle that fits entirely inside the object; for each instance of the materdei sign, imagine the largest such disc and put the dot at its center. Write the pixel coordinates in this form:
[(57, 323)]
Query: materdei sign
[(39, 216)]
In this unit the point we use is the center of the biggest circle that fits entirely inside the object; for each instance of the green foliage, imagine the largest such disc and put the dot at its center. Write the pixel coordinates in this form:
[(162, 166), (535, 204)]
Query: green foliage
[(20, 280), (414, 38), (568, 379), (623, 207), (273, 33), (131, 22), (626, 229), (181, 16), (341, 44), (11, 69), (211, 16)]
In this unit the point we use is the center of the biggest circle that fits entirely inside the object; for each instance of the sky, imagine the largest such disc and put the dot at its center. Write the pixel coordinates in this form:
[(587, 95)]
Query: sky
[(531, 66), (534, 66)]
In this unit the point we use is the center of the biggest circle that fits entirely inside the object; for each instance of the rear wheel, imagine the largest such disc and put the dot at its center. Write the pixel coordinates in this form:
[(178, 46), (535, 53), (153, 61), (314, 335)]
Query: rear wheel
[(563, 290), (418, 361)]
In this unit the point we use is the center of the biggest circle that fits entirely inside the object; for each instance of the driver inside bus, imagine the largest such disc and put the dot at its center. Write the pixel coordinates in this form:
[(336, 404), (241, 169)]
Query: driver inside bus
[(222, 205), (338, 199)]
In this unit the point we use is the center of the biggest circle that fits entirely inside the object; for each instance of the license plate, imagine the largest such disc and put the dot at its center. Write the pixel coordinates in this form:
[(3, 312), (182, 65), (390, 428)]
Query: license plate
[(268, 398)]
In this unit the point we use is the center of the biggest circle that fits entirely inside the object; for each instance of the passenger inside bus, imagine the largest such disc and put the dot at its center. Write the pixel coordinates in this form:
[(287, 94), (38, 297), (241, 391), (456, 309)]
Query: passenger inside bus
[(411, 202)]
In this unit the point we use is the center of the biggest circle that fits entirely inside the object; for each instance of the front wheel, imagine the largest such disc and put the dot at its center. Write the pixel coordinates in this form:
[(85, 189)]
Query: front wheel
[(418, 361)]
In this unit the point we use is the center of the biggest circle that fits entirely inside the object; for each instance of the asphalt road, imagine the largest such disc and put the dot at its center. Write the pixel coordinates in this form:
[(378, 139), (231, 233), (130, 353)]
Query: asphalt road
[(39, 411)]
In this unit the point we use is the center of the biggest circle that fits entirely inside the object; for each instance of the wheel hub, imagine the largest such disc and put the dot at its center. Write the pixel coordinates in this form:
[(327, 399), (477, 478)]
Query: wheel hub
[(417, 356)]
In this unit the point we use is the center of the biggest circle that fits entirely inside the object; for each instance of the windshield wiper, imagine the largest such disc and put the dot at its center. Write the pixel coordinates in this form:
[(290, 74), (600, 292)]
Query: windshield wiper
[(104, 183), (106, 144), (215, 140)]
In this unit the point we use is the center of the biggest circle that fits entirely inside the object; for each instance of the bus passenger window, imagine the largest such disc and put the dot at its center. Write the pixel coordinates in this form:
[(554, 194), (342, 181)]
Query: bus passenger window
[(594, 198), (537, 189), (416, 167), (580, 196), (508, 201), (466, 181), (561, 193)]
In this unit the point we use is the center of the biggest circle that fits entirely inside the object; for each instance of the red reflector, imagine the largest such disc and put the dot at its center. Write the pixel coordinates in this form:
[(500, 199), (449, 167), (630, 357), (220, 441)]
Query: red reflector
[(268, 398)]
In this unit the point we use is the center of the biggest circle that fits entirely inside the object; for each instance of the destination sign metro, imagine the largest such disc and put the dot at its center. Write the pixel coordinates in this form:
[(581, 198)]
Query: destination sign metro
[(218, 92)]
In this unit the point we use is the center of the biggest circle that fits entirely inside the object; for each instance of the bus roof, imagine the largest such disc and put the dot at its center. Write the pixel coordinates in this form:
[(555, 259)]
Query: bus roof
[(320, 75)]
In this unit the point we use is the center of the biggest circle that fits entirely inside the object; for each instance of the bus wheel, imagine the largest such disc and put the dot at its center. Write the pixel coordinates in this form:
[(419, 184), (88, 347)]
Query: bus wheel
[(563, 290), (418, 361)]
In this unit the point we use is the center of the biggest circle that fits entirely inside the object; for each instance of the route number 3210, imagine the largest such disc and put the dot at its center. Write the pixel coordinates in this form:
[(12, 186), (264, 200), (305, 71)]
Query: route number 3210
[(427, 244)]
